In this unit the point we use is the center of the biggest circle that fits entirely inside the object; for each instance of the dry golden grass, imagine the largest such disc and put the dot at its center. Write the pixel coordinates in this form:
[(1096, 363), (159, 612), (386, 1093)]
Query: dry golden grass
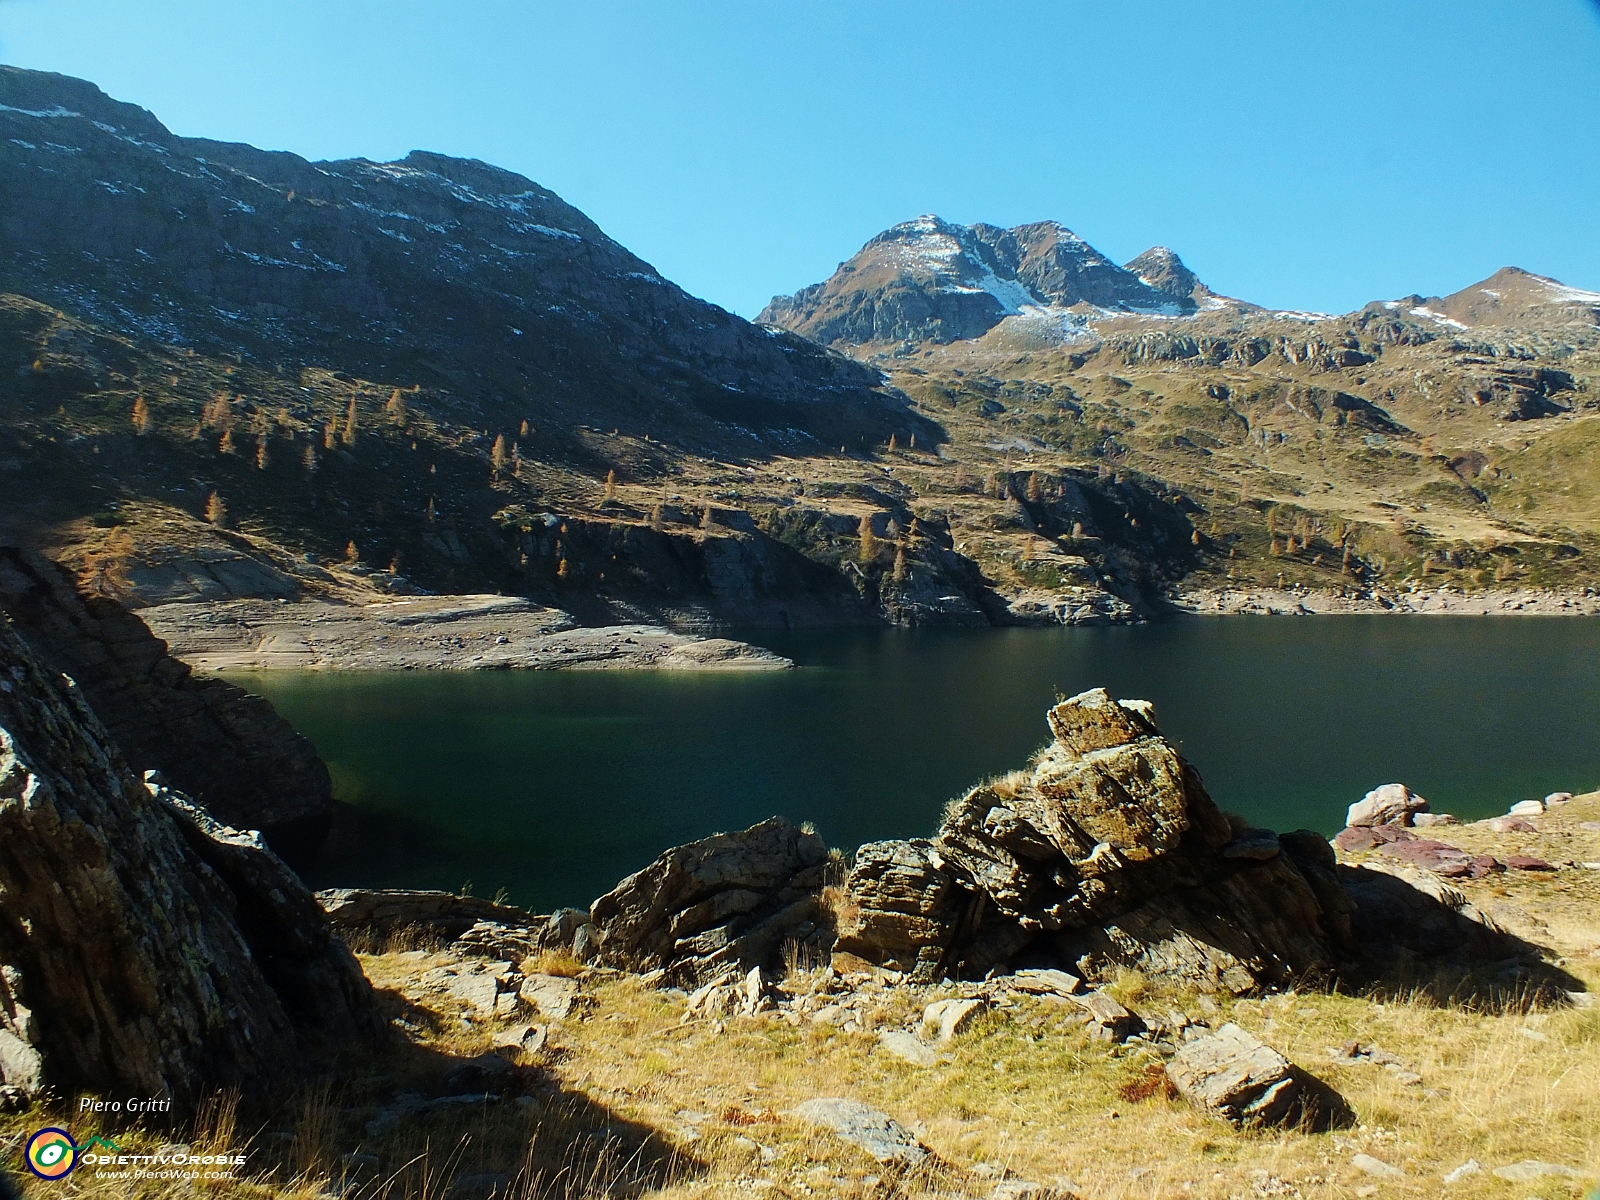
[(626, 1100)]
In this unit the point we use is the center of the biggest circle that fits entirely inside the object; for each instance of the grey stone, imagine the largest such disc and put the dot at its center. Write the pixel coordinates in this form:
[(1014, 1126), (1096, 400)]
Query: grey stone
[(1368, 1165), (551, 996), (908, 1048), (879, 1134), (1237, 1076), (1471, 1167), (949, 1018), (1045, 981), (477, 992), (1530, 1169), (729, 899)]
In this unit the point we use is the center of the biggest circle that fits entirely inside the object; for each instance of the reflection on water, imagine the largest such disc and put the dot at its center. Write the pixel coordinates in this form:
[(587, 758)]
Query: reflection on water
[(554, 785)]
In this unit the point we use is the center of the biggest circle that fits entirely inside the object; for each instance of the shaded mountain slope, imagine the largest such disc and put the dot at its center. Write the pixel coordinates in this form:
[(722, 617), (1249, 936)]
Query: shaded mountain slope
[(432, 271)]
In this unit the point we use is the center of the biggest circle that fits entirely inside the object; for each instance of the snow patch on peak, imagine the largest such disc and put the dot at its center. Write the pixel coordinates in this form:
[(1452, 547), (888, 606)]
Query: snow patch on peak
[(1441, 318)]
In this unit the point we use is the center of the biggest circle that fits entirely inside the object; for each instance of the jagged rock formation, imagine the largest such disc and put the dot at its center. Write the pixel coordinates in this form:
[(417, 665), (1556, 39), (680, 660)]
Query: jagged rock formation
[(146, 949), (1108, 853), (732, 899), (223, 746), (931, 280)]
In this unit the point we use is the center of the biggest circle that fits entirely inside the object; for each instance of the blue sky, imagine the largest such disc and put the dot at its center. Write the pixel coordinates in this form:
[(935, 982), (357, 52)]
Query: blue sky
[(1302, 154)]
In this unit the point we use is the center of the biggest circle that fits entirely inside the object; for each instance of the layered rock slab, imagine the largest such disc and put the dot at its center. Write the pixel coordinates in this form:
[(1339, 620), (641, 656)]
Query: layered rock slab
[(1108, 852), (732, 899), (146, 949)]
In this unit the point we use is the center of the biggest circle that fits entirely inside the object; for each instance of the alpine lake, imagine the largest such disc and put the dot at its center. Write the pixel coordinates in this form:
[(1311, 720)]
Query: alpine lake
[(549, 786)]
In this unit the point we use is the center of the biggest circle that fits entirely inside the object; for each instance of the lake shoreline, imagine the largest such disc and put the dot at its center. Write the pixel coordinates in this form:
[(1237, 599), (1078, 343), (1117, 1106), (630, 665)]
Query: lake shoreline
[(432, 633), (1292, 602)]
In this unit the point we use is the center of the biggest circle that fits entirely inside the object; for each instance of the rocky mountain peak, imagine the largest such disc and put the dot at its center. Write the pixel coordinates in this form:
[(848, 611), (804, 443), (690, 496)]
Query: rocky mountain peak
[(933, 280), (1162, 269)]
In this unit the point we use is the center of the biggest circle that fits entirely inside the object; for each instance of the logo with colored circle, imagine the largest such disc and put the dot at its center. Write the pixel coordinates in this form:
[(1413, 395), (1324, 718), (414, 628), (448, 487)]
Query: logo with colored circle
[(52, 1154)]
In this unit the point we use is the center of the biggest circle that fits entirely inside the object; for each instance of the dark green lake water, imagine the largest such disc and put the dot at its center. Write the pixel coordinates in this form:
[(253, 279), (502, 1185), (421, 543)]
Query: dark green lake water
[(553, 785)]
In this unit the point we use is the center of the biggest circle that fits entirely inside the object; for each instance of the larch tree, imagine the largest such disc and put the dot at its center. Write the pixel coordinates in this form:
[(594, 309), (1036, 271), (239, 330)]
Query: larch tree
[(216, 511), (141, 417), (869, 540), (349, 437)]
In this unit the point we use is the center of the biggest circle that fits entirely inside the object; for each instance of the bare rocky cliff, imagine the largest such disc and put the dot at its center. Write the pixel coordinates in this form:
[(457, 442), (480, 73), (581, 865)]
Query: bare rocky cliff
[(223, 746), (146, 949)]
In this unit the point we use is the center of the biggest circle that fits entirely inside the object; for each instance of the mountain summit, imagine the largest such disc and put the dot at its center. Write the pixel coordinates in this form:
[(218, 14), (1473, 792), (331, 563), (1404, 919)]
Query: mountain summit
[(932, 280)]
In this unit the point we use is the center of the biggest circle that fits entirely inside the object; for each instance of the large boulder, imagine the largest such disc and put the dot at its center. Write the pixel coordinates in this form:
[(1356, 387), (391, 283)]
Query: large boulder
[(729, 900), (219, 744), (1108, 853), (146, 949), (1386, 804)]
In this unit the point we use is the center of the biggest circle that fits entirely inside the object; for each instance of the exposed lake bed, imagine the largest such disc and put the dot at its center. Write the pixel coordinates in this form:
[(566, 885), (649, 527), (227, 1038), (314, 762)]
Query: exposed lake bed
[(555, 784)]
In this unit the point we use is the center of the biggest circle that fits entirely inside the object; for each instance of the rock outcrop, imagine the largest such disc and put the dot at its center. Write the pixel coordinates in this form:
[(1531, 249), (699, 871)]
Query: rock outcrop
[(1107, 853), (146, 949), (224, 747), (729, 900), (1240, 1078)]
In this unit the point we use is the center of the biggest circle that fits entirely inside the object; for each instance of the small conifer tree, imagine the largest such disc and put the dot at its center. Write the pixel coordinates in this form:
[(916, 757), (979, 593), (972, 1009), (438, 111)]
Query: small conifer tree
[(611, 485), (216, 511), (657, 522), (225, 446), (497, 455), (351, 554), (869, 540), (309, 460), (891, 441), (900, 563), (349, 436), (561, 569), (524, 431), (330, 437), (1035, 491), (141, 417), (263, 452)]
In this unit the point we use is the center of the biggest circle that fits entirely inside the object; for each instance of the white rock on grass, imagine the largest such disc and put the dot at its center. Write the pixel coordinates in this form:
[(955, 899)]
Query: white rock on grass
[(1471, 1167), (1530, 1169), (1388, 804), (1526, 808), (908, 1048), (879, 1134), (1368, 1165)]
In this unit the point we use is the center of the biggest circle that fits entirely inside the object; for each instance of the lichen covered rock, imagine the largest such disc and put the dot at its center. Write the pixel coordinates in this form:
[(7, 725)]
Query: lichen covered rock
[(1107, 853)]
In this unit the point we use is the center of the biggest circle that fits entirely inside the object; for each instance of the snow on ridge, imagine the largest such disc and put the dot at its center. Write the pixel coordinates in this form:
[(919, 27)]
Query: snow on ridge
[(1570, 295), (54, 111), (1441, 318)]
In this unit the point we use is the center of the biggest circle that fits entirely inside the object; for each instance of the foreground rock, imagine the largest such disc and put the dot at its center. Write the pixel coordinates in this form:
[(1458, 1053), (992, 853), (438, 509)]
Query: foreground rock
[(432, 633), (224, 747), (727, 901), (879, 1134), (1108, 853), (1240, 1078), (146, 949)]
